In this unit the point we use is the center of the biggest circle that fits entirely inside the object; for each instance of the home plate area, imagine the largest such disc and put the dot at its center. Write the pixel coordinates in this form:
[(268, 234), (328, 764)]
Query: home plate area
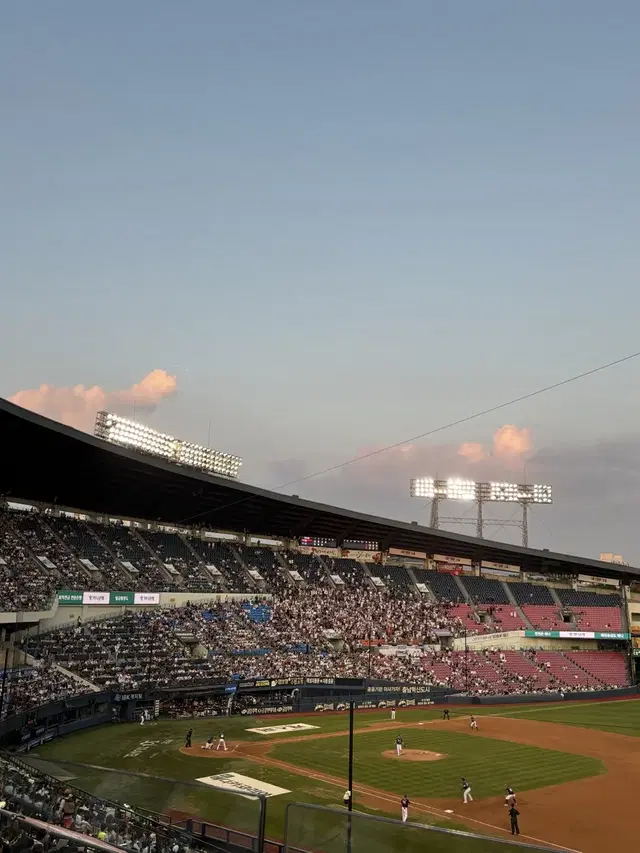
[(413, 755)]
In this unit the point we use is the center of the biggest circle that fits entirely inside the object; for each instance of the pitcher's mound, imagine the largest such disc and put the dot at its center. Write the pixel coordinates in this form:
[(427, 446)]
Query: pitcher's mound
[(413, 755)]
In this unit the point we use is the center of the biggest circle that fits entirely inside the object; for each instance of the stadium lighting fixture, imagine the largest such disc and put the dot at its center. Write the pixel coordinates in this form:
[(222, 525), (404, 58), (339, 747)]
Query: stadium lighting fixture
[(136, 436), (467, 490), (455, 489)]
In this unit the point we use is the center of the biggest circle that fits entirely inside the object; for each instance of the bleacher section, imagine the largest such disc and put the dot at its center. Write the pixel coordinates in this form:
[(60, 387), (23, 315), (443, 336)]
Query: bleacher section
[(306, 565), (531, 593), (127, 548), (266, 563), (218, 554), (78, 537), (545, 617), (442, 584), (351, 571), (395, 578), (484, 590), (171, 550)]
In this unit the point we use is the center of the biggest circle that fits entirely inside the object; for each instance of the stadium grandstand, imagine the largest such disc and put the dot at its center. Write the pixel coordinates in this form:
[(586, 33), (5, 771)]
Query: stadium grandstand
[(132, 588), (78, 555)]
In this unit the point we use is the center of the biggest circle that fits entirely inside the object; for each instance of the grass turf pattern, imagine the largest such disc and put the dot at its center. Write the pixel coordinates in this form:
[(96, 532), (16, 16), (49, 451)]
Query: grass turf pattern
[(488, 764)]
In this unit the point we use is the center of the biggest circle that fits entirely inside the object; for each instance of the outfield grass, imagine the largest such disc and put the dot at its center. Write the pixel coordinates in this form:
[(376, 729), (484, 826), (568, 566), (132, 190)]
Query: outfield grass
[(153, 751), (622, 717), (488, 764)]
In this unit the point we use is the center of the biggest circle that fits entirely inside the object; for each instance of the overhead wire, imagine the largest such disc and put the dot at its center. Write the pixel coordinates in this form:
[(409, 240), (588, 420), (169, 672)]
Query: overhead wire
[(428, 433)]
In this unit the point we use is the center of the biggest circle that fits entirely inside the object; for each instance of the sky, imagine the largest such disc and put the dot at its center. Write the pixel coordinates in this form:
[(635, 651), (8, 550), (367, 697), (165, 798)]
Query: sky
[(305, 231)]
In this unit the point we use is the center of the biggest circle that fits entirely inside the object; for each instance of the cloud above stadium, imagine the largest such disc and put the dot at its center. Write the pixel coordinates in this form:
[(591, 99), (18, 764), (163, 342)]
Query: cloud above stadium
[(76, 405), (510, 445)]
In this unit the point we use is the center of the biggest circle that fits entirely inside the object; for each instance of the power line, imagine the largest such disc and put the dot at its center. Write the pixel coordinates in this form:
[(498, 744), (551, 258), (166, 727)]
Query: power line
[(430, 432)]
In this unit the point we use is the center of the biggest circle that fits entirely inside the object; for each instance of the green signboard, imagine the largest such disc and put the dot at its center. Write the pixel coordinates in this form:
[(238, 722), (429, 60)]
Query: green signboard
[(121, 598), (577, 635), (70, 598)]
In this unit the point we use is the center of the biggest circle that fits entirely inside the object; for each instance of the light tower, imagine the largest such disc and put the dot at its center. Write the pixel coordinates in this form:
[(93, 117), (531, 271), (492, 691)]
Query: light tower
[(453, 489)]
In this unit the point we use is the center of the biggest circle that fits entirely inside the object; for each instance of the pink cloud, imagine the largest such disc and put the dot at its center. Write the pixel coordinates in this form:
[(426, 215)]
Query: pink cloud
[(77, 405)]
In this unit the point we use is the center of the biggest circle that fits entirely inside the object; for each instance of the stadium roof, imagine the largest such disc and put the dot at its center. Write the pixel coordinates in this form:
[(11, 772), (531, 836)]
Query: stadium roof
[(49, 463)]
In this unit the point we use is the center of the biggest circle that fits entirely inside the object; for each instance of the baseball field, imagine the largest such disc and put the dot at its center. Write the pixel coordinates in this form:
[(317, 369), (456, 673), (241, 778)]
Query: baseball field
[(574, 766)]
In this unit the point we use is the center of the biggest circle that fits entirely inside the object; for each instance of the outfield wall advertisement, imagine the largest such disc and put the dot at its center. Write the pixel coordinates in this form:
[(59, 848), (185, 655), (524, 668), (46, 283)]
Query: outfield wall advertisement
[(71, 598)]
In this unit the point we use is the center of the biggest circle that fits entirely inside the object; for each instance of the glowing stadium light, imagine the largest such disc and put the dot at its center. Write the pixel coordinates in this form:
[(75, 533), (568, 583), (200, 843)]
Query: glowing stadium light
[(126, 433), (455, 489)]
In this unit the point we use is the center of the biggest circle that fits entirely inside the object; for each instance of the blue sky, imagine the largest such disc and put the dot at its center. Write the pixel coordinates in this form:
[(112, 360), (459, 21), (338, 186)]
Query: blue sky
[(338, 224)]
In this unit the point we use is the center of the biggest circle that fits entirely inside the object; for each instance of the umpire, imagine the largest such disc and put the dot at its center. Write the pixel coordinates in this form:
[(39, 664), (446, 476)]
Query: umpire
[(514, 814)]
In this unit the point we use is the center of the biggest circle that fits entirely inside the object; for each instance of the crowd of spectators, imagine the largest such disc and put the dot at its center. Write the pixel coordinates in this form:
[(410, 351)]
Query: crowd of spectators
[(30, 687), (325, 632), (27, 792)]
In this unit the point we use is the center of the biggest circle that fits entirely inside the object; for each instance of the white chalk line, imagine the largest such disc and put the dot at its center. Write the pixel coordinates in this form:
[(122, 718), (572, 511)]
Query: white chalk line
[(373, 792)]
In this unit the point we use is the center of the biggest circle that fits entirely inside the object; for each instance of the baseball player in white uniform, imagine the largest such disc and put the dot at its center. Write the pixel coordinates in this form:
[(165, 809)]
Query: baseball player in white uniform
[(393, 712), (510, 799), (473, 724), (466, 791), (221, 743)]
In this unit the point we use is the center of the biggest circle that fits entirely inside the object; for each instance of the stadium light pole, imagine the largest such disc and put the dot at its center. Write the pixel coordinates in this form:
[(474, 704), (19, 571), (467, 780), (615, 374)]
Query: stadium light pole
[(351, 707), (455, 489)]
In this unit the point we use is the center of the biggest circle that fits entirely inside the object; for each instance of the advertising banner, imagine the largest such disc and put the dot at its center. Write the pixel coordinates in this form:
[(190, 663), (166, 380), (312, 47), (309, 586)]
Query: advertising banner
[(88, 564), (96, 598), (456, 561), (500, 567), (589, 580), (146, 598), (578, 635), (295, 575), (402, 552), (121, 598), (255, 574), (129, 567), (337, 580), (213, 570), (362, 556), (336, 553), (68, 597), (376, 580)]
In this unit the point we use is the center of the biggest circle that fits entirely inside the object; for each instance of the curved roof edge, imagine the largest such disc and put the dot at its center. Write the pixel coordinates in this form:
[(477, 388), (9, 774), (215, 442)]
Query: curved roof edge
[(51, 463)]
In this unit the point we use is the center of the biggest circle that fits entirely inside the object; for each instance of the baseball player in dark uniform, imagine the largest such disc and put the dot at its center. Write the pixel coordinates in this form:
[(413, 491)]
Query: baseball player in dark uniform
[(513, 816), (187, 740), (466, 791), (445, 714), (404, 805), (399, 745)]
